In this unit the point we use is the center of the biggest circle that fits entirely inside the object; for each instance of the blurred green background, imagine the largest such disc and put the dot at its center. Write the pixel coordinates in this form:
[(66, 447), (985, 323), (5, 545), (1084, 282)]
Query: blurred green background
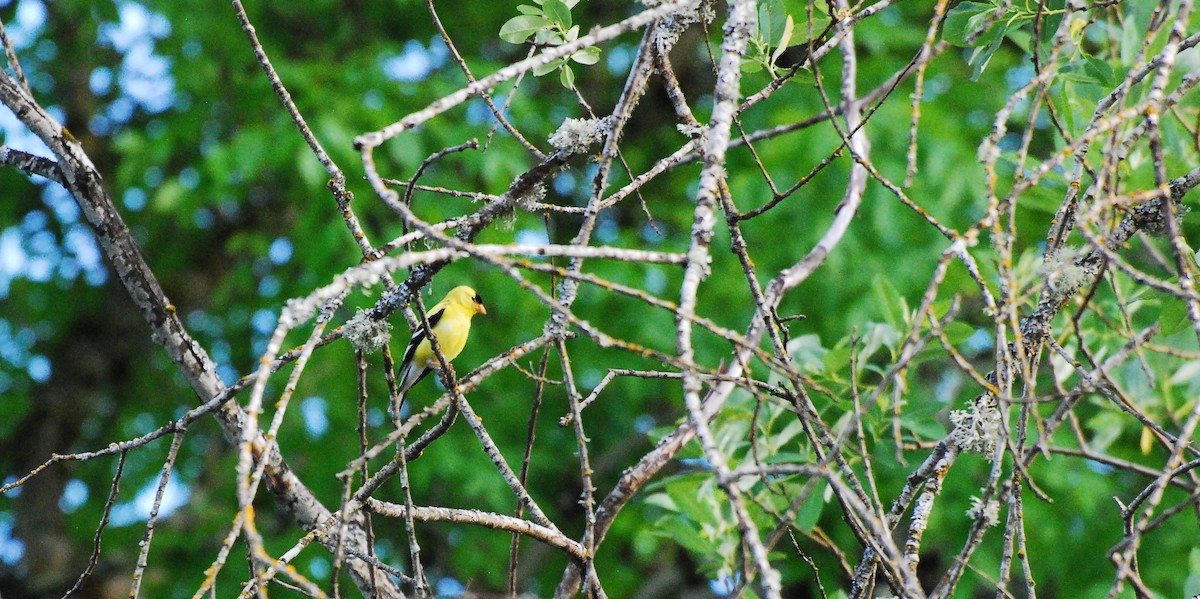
[(231, 209)]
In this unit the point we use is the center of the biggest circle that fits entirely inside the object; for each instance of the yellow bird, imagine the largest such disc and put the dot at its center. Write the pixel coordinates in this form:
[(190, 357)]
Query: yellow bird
[(451, 323)]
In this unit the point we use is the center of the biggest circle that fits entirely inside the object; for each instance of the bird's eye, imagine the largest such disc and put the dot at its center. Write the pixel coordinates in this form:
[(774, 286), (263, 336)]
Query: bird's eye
[(478, 300)]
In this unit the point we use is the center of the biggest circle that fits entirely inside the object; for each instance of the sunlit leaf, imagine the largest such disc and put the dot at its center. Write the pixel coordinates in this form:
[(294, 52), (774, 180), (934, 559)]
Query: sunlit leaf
[(519, 28), (587, 56), (558, 13), (965, 19)]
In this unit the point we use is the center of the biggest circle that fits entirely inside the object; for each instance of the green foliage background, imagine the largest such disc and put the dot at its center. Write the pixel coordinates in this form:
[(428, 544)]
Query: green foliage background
[(215, 178)]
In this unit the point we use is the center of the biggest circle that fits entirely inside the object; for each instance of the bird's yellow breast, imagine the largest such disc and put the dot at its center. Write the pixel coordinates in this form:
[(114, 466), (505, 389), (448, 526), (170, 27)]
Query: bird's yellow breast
[(451, 332)]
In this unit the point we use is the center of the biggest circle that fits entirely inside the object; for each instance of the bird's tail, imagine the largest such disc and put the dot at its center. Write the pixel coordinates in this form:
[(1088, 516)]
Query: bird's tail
[(404, 382), (410, 376)]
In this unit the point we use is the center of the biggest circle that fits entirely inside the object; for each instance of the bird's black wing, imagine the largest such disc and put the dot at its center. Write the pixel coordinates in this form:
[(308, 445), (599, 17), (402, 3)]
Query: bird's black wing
[(420, 335)]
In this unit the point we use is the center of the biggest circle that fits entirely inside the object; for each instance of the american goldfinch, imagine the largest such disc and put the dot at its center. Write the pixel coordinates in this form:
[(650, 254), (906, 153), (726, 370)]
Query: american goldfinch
[(450, 320)]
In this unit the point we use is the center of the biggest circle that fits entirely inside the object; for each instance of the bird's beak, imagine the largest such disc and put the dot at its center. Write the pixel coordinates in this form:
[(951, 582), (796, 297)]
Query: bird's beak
[(482, 310)]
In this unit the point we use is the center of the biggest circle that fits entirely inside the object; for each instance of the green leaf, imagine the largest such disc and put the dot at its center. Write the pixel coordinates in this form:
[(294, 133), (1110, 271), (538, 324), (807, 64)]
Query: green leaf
[(750, 66), (788, 457), (548, 37), (957, 332), (1064, 104), (567, 77), (923, 427), (1022, 37), (1076, 71), (587, 56), (558, 13), (1131, 41), (810, 511), (779, 440), (690, 495), (1173, 317), (1042, 199), (800, 35), (526, 9), (662, 500), (803, 77), (1100, 71), (771, 16), (875, 336), (519, 28), (891, 303), (548, 67), (836, 360), (808, 352), (964, 20), (982, 56)]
